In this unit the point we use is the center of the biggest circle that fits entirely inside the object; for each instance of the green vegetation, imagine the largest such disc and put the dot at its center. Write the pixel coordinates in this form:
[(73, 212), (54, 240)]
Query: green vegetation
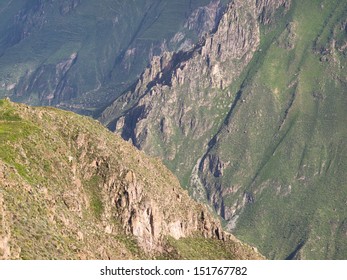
[(93, 188), (12, 128), (198, 248), (7, 112), (131, 244)]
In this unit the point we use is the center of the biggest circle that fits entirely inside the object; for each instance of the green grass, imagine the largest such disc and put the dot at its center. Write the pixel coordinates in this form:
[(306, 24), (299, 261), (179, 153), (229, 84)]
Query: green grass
[(200, 248), (12, 130), (131, 244), (7, 113), (93, 189)]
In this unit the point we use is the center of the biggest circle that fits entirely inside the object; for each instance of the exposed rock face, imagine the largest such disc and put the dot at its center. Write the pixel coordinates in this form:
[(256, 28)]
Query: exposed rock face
[(267, 8), (205, 19), (213, 63), (150, 220), (148, 214)]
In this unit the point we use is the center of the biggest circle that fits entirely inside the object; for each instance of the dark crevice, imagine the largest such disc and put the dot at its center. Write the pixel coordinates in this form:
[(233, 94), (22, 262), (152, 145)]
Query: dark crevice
[(130, 123), (293, 255)]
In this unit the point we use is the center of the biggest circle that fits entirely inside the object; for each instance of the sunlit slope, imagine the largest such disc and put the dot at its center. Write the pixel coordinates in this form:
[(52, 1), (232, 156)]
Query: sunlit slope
[(70, 189)]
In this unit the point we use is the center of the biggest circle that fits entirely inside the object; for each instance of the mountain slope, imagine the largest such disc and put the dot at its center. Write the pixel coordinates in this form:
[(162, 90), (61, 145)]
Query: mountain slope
[(81, 55), (252, 120), (292, 145), (70, 189)]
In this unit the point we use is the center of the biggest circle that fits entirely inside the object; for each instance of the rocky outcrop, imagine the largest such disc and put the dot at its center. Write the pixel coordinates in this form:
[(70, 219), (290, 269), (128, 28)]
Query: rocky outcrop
[(205, 19), (151, 220), (266, 9), (145, 208)]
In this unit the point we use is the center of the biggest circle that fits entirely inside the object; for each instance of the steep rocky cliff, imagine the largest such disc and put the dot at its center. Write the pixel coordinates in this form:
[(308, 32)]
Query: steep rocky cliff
[(69, 189), (243, 118), (182, 98)]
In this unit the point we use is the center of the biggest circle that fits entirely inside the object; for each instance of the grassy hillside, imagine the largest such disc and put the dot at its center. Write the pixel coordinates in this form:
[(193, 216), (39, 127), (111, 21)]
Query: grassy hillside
[(284, 145), (70, 189)]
